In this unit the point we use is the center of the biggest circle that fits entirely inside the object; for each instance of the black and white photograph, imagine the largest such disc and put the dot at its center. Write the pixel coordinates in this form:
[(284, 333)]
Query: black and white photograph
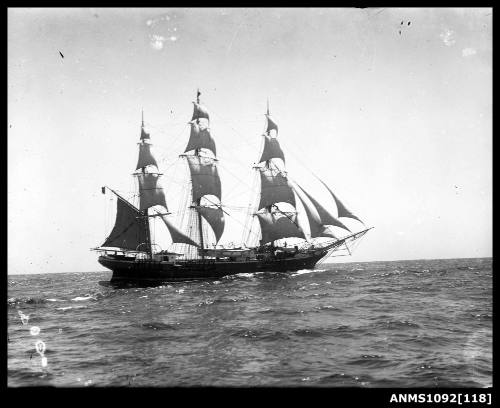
[(250, 198)]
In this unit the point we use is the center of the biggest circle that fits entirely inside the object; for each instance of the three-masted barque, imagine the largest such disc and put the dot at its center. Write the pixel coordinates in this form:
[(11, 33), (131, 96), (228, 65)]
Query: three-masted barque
[(129, 252)]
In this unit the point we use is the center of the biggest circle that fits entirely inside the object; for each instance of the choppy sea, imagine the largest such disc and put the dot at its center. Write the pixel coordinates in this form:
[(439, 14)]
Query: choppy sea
[(423, 323)]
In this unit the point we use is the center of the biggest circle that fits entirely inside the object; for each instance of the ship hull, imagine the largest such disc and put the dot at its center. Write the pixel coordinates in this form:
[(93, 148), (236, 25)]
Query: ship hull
[(151, 271)]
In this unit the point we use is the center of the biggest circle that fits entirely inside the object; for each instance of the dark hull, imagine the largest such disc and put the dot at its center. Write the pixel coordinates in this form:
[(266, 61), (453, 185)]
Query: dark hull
[(150, 271)]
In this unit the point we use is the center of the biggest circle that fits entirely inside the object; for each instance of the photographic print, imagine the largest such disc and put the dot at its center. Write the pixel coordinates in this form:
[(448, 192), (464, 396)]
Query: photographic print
[(250, 197)]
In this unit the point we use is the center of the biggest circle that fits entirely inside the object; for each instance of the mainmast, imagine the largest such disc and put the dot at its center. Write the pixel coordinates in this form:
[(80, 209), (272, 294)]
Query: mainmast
[(198, 201), (145, 213), (205, 179)]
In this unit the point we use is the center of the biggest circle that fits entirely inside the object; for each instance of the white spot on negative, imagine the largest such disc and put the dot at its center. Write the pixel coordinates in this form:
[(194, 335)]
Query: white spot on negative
[(40, 347), (448, 37), (467, 52)]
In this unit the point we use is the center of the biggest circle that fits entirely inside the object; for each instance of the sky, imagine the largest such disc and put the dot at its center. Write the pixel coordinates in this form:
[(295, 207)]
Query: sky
[(391, 107)]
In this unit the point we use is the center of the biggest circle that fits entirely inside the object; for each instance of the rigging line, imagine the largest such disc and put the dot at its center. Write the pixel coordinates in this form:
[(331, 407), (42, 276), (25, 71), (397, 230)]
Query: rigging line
[(236, 177), (225, 212), (235, 131), (300, 161), (286, 215), (177, 140)]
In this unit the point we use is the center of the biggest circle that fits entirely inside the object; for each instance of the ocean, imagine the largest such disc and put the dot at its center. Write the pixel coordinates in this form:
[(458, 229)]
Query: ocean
[(419, 323)]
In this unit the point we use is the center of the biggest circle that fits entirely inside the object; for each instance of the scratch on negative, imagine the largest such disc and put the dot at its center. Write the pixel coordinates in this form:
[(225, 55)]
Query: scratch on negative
[(232, 39)]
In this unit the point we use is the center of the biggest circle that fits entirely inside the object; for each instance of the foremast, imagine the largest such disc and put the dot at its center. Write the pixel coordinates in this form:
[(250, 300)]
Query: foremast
[(150, 192), (278, 190), (276, 209)]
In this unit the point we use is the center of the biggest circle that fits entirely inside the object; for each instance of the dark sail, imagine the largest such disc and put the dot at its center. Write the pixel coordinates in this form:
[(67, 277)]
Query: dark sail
[(129, 231)]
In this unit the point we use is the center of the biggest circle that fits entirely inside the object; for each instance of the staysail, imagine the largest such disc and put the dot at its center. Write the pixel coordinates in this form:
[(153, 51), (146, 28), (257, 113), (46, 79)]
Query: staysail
[(341, 208), (178, 237), (215, 217), (325, 216), (317, 228)]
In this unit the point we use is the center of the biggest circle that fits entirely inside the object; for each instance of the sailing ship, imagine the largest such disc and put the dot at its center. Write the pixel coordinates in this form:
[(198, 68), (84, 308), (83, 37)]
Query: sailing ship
[(130, 253)]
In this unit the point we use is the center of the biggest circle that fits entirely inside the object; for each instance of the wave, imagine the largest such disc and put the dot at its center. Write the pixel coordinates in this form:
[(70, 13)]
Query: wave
[(158, 326), (397, 324), (260, 334), (220, 300), (27, 300), (328, 307), (342, 379), (83, 298), (304, 271), (372, 361)]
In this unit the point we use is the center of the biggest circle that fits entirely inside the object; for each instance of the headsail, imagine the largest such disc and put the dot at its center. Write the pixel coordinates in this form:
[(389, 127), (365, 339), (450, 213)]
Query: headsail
[(325, 216), (129, 230), (317, 228), (342, 210)]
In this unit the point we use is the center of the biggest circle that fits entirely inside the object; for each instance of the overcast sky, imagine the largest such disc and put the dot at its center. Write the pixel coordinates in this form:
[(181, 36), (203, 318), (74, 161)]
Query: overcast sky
[(391, 107)]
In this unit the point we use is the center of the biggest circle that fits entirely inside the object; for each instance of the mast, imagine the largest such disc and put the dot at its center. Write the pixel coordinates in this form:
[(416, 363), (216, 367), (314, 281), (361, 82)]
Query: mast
[(198, 201), (150, 194), (275, 188), (205, 179), (145, 213)]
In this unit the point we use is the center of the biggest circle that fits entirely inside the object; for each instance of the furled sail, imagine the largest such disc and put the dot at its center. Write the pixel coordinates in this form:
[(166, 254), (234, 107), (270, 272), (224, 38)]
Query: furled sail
[(273, 227), (146, 158), (271, 124), (324, 214), (150, 193), (271, 150), (177, 236), (215, 217), (316, 227), (200, 138), (204, 177), (274, 188), (129, 230), (199, 112), (341, 208)]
